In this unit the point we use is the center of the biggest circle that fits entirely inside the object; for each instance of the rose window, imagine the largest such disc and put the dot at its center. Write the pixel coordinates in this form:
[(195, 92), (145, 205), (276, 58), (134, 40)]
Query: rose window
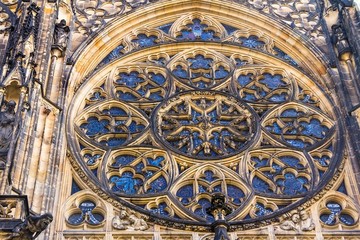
[(183, 111)]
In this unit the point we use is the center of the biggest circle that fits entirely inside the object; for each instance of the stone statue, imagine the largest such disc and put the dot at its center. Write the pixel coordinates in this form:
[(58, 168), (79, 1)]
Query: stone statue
[(340, 40), (61, 34), (31, 227), (138, 223), (7, 122), (130, 221), (299, 222)]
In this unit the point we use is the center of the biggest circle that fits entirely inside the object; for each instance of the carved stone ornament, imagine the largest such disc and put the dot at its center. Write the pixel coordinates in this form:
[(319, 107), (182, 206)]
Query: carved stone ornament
[(129, 220), (185, 122), (31, 228), (7, 121), (304, 16), (6, 18), (6, 209), (61, 35), (298, 222), (219, 209), (340, 41)]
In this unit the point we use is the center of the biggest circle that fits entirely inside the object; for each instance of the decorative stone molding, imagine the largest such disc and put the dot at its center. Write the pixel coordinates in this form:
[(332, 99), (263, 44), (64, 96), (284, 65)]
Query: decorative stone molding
[(302, 16), (6, 18)]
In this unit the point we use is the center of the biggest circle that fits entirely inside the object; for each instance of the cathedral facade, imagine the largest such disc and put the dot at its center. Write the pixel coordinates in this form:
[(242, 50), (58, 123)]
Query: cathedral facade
[(179, 120)]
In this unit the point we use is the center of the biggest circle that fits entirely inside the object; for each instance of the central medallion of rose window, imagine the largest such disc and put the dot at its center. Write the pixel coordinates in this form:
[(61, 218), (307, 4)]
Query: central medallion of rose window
[(206, 124)]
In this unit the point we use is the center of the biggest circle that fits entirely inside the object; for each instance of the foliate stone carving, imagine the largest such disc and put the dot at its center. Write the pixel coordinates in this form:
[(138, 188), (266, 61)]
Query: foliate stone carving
[(5, 18), (7, 122), (7, 208), (91, 15), (9, 2), (299, 221), (303, 16), (31, 228), (129, 220)]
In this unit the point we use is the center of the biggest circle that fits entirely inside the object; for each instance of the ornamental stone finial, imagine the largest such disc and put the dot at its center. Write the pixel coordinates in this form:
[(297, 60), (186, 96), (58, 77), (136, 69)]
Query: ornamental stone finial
[(219, 209)]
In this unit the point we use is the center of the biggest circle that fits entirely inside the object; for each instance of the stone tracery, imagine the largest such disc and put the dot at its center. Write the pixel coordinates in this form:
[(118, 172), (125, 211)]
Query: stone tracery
[(206, 107)]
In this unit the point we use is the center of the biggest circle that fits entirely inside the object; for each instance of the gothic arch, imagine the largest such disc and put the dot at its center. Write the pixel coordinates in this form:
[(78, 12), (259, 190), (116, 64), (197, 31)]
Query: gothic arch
[(102, 42), (135, 128)]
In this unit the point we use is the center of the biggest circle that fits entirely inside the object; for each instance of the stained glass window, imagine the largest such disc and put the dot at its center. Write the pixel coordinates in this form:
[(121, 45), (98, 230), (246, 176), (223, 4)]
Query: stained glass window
[(205, 113)]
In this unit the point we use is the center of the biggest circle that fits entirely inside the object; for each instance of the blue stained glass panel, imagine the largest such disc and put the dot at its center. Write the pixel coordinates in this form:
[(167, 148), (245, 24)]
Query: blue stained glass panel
[(342, 188), (74, 187), (91, 160), (262, 210), (260, 185), (131, 80), (236, 194), (165, 28), (117, 52), (158, 78), (252, 42), (314, 128), (155, 161), (204, 203), (200, 62), (292, 162), (259, 162), (76, 219), (323, 160), (145, 41), (115, 112), (283, 55), (347, 219), (229, 29), (273, 81), (186, 193), (158, 185), (95, 126), (161, 209), (123, 160), (293, 185), (126, 183), (197, 31), (180, 72)]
